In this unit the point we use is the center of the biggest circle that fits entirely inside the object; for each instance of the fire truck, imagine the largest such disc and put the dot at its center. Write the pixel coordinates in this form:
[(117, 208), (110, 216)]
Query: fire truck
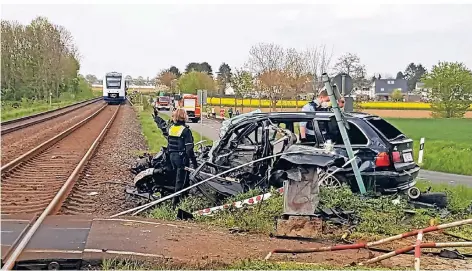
[(190, 103), (163, 103)]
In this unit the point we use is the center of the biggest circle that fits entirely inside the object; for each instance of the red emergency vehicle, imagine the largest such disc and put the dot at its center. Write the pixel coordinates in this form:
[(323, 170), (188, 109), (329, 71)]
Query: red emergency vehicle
[(190, 103)]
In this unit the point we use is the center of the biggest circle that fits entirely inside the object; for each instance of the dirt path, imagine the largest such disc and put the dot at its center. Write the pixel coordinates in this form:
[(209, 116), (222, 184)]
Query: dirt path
[(182, 244)]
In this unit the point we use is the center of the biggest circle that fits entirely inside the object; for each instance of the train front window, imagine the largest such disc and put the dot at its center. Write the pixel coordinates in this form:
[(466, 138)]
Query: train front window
[(113, 82)]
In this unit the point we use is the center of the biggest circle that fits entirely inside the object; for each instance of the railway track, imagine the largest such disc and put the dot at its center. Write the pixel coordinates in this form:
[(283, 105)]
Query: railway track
[(20, 123), (40, 180)]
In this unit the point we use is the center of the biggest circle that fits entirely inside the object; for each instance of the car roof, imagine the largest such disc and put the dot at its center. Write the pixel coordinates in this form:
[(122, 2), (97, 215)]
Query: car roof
[(308, 115)]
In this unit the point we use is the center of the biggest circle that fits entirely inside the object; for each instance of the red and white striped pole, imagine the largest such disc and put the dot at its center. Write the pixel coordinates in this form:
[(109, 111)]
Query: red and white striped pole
[(379, 242), (415, 232), (409, 248), (419, 239)]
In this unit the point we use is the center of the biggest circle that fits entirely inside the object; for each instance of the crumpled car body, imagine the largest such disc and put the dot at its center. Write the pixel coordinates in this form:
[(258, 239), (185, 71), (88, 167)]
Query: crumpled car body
[(383, 155)]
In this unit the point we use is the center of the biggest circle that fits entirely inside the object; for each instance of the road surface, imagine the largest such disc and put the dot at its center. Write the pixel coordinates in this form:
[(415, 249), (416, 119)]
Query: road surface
[(211, 130)]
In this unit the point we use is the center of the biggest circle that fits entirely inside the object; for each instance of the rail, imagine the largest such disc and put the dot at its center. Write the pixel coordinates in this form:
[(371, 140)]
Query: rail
[(55, 204), (14, 124)]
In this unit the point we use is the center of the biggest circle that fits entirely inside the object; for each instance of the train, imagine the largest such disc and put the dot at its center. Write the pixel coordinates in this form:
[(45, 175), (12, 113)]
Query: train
[(115, 88)]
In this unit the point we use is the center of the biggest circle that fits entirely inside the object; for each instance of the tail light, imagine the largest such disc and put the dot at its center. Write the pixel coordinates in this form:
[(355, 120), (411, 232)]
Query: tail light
[(382, 160), (396, 157)]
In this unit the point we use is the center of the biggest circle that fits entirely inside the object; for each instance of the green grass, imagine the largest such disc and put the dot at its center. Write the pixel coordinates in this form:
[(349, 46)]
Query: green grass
[(377, 216), (266, 265), (27, 108), (152, 134), (8, 112), (448, 142)]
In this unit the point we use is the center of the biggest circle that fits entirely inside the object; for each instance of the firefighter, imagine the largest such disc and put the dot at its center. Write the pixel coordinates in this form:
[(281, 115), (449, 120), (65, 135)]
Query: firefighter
[(180, 147)]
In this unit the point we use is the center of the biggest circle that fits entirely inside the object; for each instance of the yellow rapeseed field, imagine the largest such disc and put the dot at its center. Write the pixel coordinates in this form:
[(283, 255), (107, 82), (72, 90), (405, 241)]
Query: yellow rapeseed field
[(293, 104)]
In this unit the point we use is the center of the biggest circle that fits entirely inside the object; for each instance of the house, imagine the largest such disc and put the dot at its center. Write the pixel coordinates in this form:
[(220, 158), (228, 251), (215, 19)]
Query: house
[(422, 91), (382, 89)]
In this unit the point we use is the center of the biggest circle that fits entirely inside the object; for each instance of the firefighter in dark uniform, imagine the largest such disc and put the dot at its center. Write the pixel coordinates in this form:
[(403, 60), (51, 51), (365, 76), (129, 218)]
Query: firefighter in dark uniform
[(180, 147)]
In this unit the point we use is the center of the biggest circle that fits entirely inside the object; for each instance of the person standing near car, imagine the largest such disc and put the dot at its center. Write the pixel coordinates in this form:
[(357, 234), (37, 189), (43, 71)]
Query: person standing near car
[(230, 112), (320, 103), (180, 147)]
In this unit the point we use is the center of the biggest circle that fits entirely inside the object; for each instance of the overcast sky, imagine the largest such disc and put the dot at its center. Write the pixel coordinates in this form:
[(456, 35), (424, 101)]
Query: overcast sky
[(143, 39)]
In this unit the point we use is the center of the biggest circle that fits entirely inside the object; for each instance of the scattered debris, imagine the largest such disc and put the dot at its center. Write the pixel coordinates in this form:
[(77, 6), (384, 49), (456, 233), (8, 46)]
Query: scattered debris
[(451, 254), (273, 136), (418, 245)]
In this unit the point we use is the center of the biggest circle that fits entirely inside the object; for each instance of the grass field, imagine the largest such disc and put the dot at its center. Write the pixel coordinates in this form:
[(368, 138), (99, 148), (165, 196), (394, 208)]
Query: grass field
[(448, 142), (27, 108)]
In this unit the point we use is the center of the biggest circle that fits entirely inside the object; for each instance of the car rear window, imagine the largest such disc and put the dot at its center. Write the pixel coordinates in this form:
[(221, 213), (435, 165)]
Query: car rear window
[(387, 129), (163, 99)]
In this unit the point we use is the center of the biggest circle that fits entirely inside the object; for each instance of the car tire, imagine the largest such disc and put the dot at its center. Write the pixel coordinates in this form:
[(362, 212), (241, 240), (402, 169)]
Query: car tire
[(336, 180), (437, 198)]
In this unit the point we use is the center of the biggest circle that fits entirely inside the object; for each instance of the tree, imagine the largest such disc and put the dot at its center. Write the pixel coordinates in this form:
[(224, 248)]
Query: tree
[(242, 82), (199, 67), (450, 87), (91, 79), (192, 81), (413, 74), (205, 67), (175, 70), (350, 64), (166, 77), (223, 77), (297, 71), (38, 59), (400, 76), (317, 61), (139, 81), (129, 78), (267, 61), (396, 95)]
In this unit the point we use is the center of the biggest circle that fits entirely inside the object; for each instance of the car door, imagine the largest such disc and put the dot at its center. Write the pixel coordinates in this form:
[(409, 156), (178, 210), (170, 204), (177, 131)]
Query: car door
[(360, 143)]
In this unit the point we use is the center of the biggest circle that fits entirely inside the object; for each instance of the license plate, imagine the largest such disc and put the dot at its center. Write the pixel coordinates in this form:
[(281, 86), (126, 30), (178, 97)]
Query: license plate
[(408, 157)]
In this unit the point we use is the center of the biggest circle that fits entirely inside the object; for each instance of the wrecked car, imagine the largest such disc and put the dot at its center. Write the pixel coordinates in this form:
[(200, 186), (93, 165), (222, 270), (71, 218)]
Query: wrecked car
[(384, 156)]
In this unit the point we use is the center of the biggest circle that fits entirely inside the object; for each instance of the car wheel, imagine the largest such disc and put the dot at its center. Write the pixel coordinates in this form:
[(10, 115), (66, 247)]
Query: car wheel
[(327, 180)]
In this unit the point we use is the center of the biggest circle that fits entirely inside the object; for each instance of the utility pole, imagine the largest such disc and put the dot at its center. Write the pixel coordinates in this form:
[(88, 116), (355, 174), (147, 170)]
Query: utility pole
[(342, 128)]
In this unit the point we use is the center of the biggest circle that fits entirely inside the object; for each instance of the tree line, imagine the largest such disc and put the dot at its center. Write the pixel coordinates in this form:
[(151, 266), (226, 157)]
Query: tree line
[(278, 73), (38, 60)]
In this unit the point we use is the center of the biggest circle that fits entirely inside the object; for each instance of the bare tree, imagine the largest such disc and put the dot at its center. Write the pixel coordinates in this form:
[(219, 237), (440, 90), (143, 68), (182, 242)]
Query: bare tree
[(297, 73), (166, 78), (267, 61), (351, 64), (318, 61), (265, 57)]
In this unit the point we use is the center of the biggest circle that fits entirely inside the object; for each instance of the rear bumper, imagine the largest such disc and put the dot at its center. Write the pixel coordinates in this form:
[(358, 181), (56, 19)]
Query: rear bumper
[(391, 181)]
